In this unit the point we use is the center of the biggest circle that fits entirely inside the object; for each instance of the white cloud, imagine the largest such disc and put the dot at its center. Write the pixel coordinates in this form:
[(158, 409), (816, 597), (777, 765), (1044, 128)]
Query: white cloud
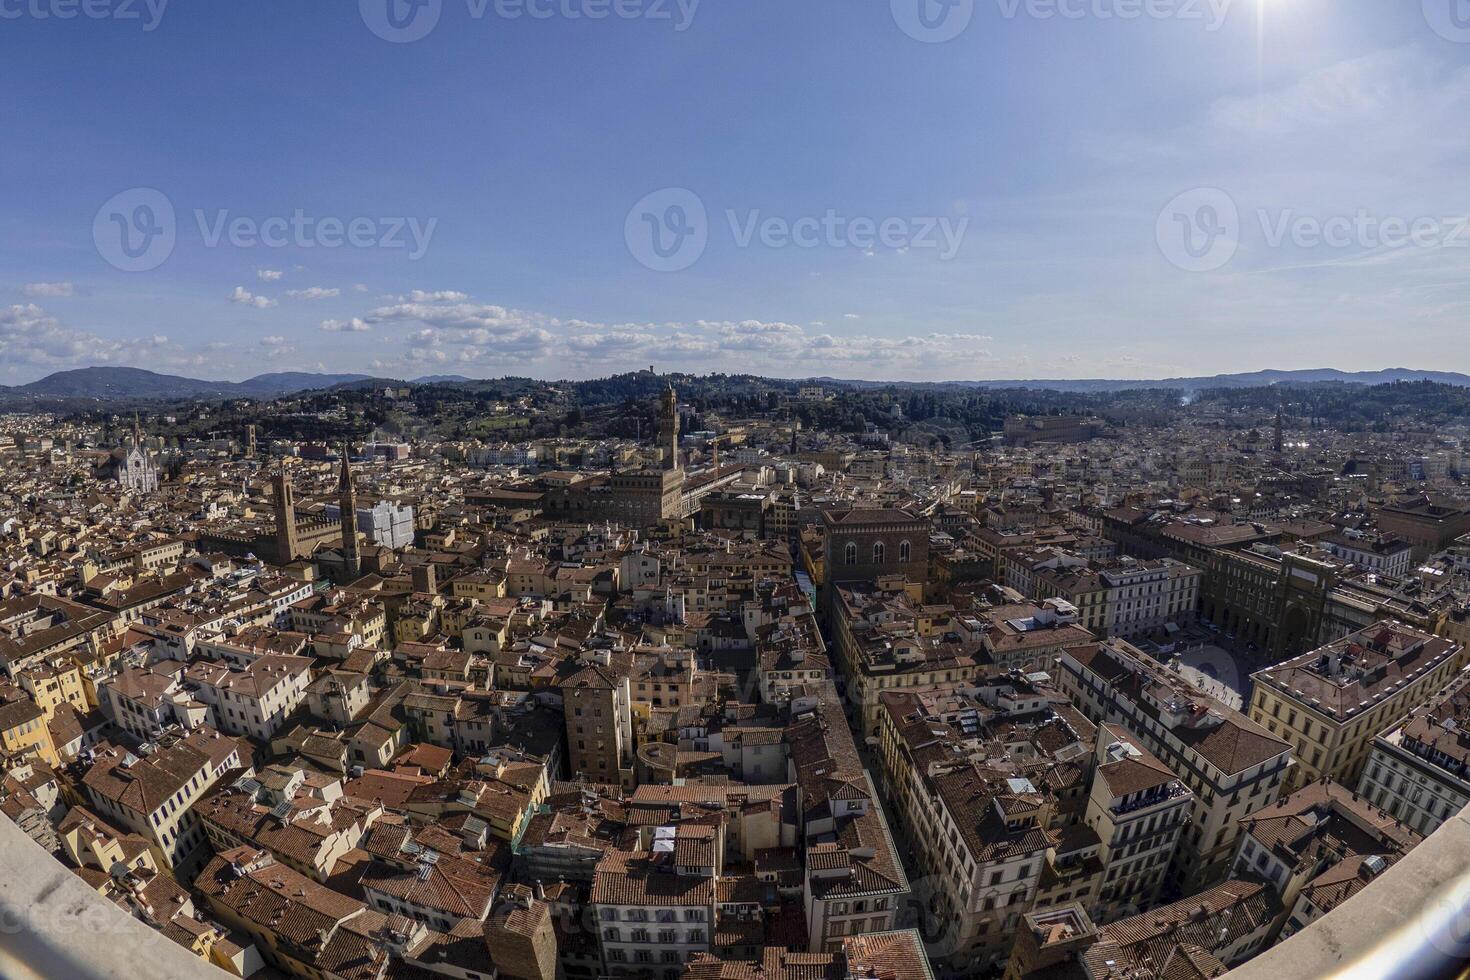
[(314, 292), (491, 340), (30, 335), (276, 347), (442, 296), (478, 330), (47, 290), (354, 325), (490, 336), (244, 297), (269, 275)]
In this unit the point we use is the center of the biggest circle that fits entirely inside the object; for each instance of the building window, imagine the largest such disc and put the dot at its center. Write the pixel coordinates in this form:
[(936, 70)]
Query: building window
[(849, 556), (904, 551), (878, 551)]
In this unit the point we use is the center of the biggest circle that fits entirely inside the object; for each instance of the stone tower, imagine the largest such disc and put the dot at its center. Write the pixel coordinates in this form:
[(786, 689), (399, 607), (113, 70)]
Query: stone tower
[(668, 428), (286, 546), (347, 498), (1279, 442)]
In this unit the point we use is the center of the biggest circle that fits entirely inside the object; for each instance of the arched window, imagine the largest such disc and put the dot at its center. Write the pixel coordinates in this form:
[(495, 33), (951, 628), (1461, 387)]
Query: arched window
[(878, 552), (904, 551), (850, 555)]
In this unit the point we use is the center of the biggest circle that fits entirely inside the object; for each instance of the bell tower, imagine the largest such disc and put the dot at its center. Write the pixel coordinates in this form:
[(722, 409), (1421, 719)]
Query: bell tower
[(347, 499), (286, 546), (668, 428)]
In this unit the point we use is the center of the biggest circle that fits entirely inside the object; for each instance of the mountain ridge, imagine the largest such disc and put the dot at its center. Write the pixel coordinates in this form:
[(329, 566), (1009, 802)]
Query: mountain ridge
[(112, 382), (1245, 379), (105, 383)]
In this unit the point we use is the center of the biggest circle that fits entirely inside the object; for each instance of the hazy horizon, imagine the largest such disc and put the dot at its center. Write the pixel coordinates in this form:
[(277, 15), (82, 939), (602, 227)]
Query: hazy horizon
[(413, 378)]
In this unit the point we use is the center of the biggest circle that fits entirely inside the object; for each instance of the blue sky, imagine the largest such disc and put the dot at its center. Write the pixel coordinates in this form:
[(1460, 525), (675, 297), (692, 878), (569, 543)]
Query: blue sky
[(1055, 191)]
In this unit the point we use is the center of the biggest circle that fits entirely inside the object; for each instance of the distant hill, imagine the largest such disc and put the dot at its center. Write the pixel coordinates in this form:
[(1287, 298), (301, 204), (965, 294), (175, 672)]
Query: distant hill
[(442, 379), (127, 383), (116, 383), (1252, 379), (290, 382)]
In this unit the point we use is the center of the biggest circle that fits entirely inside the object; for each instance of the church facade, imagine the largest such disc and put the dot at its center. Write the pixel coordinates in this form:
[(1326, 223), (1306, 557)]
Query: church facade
[(138, 472), (131, 467)]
